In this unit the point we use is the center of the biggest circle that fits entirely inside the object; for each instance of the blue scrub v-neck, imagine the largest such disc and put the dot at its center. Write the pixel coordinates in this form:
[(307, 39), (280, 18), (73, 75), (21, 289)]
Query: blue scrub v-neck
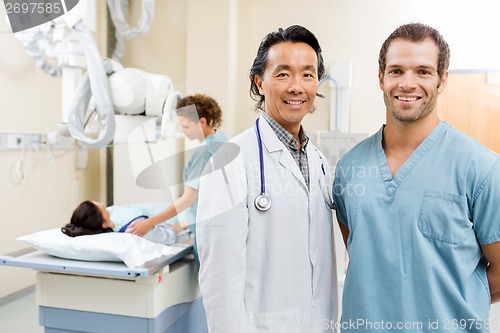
[(391, 183)]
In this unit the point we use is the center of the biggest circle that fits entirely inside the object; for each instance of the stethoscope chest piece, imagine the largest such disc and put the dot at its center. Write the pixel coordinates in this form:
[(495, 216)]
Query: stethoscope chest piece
[(262, 202)]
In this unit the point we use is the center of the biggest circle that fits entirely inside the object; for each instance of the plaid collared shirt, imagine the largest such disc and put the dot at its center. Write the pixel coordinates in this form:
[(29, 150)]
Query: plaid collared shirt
[(300, 156)]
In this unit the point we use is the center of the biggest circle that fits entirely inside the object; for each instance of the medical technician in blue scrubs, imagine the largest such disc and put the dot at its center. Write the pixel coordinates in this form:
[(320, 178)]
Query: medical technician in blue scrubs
[(199, 123), (418, 205)]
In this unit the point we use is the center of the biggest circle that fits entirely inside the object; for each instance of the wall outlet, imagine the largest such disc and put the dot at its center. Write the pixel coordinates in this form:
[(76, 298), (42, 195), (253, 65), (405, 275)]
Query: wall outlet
[(15, 141)]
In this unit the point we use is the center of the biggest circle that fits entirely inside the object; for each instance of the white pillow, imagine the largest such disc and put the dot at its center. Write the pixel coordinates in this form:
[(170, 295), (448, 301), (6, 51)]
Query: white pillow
[(133, 250)]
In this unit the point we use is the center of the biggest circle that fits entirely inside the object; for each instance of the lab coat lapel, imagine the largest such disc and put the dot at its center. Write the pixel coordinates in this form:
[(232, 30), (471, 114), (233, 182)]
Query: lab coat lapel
[(272, 144)]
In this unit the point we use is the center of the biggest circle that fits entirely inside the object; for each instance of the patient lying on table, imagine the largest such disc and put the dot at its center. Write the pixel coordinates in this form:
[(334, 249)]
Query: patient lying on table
[(92, 217)]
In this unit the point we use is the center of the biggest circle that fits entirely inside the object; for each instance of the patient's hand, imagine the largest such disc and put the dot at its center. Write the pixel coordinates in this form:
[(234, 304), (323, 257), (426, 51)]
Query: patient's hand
[(139, 227)]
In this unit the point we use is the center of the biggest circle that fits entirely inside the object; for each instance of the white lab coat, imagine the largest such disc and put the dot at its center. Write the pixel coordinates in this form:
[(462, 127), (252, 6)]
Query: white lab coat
[(271, 271)]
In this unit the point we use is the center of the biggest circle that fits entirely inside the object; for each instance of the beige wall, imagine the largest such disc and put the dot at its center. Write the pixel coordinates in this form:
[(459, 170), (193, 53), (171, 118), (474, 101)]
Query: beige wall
[(214, 43), (30, 102), (222, 36), (209, 46), (163, 49)]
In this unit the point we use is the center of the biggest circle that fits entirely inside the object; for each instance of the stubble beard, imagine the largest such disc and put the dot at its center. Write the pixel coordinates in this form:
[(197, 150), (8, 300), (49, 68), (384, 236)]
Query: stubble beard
[(405, 115)]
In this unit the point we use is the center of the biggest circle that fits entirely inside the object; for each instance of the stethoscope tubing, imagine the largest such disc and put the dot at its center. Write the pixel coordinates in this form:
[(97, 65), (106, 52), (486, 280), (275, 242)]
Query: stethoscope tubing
[(262, 202), (261, 158)]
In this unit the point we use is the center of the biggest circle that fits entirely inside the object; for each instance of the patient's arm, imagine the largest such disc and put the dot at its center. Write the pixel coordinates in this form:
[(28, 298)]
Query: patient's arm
[(187, 198)]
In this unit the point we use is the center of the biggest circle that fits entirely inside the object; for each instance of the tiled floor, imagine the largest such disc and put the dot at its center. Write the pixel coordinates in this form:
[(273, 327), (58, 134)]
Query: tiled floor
[(19, 314)]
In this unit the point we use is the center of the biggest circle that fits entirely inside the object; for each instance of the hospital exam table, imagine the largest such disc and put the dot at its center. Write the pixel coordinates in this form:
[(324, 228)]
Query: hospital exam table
[(162, 296)]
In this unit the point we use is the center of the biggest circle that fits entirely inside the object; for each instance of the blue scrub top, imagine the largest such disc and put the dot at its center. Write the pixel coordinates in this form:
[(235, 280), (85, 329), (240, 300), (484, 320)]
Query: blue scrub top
[(195, 166), (414, 242)]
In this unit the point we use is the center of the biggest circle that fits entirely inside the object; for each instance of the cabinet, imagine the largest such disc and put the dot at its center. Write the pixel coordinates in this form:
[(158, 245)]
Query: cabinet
[(472, 105)]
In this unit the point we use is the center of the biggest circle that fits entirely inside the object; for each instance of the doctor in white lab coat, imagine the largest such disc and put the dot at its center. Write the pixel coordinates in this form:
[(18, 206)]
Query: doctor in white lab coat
[(274, 270)]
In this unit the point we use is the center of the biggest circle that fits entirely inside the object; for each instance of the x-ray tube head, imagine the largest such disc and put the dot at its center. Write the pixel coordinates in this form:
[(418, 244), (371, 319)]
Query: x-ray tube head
[(128, 91)]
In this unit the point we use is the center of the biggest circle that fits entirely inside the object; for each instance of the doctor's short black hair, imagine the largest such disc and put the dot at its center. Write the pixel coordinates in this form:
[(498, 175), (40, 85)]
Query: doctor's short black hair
[(294, 34)]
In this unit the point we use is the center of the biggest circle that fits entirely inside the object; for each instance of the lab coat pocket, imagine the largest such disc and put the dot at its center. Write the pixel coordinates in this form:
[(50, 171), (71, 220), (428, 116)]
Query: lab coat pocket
[(444, 217), (286, 321)]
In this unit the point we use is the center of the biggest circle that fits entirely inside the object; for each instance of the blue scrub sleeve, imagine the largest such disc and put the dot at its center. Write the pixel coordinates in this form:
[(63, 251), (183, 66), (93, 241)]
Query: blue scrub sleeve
[(486, 217), (196, 165), (195, 168), (195, 184), (338, 200)]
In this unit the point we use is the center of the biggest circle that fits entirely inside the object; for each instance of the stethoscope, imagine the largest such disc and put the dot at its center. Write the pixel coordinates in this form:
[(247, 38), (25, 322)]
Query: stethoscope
[(263, 202)]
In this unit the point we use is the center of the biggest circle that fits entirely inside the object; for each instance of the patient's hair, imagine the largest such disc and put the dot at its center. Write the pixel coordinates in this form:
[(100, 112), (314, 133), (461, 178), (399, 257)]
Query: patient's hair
[(86, 220)]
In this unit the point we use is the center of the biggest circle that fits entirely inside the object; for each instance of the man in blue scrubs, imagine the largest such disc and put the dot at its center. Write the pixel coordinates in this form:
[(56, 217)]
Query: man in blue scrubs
[(418, 206)]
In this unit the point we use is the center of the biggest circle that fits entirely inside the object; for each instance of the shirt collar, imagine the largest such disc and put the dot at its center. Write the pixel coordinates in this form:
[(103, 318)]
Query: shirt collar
[(284, 136)]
